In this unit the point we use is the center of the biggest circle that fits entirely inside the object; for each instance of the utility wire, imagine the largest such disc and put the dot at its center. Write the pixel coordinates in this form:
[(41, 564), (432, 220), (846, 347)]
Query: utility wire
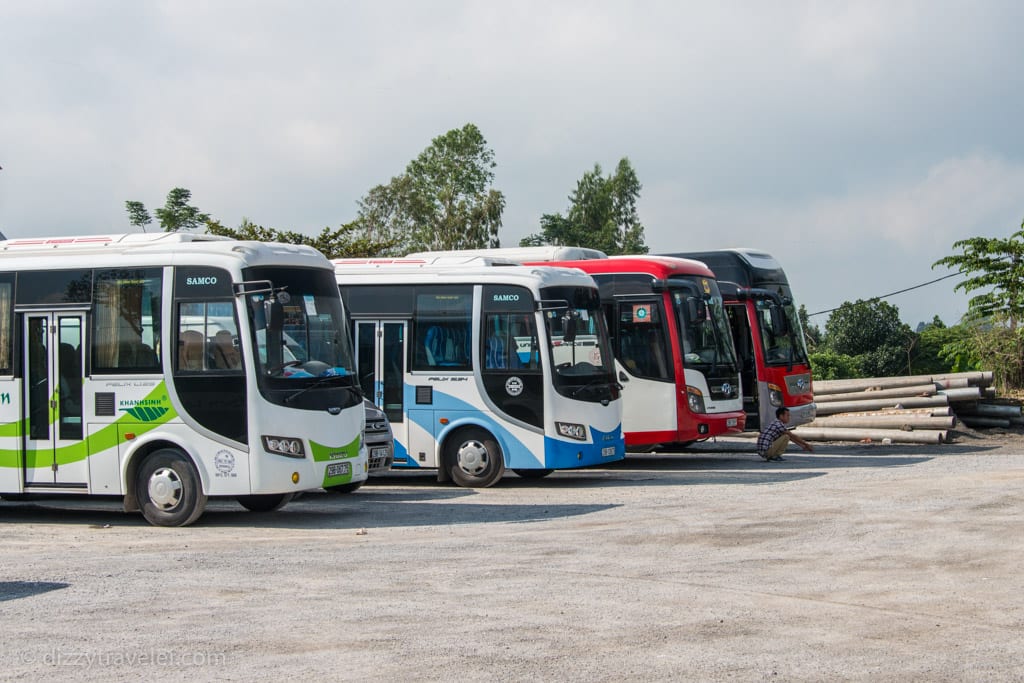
[(883, 296)]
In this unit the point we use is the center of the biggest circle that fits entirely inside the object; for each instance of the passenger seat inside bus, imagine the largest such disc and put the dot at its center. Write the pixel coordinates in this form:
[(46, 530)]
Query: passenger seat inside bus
[(225, 355), (191, 349)]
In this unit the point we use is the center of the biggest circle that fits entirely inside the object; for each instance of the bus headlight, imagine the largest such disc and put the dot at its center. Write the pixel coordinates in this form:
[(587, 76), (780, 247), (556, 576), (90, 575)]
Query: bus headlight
[(571, 431), (775, 395), (695, 399), (284, 445)]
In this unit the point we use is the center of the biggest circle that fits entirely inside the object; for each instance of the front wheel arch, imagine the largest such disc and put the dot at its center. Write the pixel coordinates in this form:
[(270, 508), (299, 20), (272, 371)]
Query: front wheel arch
[(169, 488), (473, 457), (137, 456)]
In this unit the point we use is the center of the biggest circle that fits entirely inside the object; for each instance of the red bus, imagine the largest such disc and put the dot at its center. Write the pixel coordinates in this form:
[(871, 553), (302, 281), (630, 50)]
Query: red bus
[(766, 329), (673, 348)]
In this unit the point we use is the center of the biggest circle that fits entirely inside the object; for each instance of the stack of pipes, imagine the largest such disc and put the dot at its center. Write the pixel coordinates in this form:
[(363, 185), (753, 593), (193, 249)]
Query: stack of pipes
[(907, 409)]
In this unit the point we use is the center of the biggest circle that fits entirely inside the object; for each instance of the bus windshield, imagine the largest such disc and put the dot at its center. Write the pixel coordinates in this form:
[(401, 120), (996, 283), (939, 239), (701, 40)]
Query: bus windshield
[(300, 329), (580, 352), (703, 325)]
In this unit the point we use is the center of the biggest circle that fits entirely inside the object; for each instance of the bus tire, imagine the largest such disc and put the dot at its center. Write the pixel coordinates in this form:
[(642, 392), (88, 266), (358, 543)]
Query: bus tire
[(533, 474), (474, 458), (265, 502), (351, 487), (169, 490)]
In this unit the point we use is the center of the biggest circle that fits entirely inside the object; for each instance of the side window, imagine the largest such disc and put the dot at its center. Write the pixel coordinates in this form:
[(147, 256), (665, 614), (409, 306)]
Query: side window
[(126, 324), (6, 349), (442, 339), (510, 342), (776, 346), (640, 343), (207, 335)]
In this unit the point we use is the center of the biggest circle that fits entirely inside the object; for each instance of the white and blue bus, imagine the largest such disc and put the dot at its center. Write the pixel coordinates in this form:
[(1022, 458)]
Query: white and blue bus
[(483, 368), (169, 368)]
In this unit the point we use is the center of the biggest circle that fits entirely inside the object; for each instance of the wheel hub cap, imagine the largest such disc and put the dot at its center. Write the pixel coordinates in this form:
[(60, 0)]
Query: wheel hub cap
[(165, 488), (472, 457)]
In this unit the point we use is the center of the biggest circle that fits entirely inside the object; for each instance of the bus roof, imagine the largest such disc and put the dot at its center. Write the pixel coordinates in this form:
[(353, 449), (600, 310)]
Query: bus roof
[(444, 269), (522, 254), (166, 248), (745, 267), (659, 267)]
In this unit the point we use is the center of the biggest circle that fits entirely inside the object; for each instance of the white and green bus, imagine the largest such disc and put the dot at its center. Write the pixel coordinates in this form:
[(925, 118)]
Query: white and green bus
[(170, 368)]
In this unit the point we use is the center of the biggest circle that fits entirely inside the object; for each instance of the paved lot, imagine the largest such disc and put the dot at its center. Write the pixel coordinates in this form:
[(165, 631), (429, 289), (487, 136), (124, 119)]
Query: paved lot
[(852, 563)]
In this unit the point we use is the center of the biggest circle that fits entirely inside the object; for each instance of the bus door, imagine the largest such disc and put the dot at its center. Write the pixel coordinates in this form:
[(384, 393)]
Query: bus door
[(55, 454), (744, 343), (380, 360), (647, 371)]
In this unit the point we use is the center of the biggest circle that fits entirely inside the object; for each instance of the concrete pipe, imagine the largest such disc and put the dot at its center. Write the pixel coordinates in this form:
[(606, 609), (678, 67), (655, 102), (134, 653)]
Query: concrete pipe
[(844, 386), (961, 395), (979, 421), (925, 436), (915, 390), (879, 404), (935, 411), (902, 422), (993, 410)]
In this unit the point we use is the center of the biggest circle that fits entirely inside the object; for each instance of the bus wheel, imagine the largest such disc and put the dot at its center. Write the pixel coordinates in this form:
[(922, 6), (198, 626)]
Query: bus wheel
[(533, 474), (351, 487), (265, 502), (169, 490), (474, 459)]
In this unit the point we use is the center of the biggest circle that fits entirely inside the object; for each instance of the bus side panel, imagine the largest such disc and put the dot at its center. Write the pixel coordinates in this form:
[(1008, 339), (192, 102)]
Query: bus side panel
[(519, 446), (430, 399), (455, 405), (11, 432), (648, 406), (415, 439)]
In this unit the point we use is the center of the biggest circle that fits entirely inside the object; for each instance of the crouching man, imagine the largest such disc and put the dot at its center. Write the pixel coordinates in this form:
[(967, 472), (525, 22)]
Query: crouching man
[(774, 438)]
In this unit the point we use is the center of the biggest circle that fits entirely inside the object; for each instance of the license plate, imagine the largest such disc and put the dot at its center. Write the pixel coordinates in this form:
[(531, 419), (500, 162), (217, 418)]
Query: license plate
[(607, 451), (731, 422), (381, 452), (336, 469)]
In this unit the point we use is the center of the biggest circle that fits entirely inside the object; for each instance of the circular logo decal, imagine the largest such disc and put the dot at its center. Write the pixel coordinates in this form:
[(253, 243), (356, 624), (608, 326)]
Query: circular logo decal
[(224, 462), (514, 386)]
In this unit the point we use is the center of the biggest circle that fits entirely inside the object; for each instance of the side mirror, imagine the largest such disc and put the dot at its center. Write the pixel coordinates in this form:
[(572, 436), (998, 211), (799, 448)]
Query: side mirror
[(569, 334), (696, 308), (779, 321), (274, 312)]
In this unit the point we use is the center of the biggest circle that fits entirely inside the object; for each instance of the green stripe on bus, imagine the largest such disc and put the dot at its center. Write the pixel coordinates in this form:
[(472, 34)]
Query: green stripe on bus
[(322, 453), (98, 442)]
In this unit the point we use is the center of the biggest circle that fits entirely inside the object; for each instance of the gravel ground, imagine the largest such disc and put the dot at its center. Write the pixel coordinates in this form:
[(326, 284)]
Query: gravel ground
[(856, 562)]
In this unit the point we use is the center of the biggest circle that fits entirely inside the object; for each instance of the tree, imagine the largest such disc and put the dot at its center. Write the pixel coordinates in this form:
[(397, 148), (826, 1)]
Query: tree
[(927, 357), (871, 332), (602, 214), (831, 365), (443, 201), (177, 215), (137, 215), (996, 340), (992, 263), (344, 242), (812, 333)]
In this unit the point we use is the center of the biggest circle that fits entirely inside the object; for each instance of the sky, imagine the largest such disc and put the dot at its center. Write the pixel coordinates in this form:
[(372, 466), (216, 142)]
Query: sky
[(855, 141)]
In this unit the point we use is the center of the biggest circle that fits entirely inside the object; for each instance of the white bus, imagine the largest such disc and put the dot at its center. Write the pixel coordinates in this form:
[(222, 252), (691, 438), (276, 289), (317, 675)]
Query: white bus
[(169, 368), (484, 368)]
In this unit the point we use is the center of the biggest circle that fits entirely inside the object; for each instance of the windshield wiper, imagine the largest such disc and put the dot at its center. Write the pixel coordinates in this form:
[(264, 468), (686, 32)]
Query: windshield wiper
[(319, 383)]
